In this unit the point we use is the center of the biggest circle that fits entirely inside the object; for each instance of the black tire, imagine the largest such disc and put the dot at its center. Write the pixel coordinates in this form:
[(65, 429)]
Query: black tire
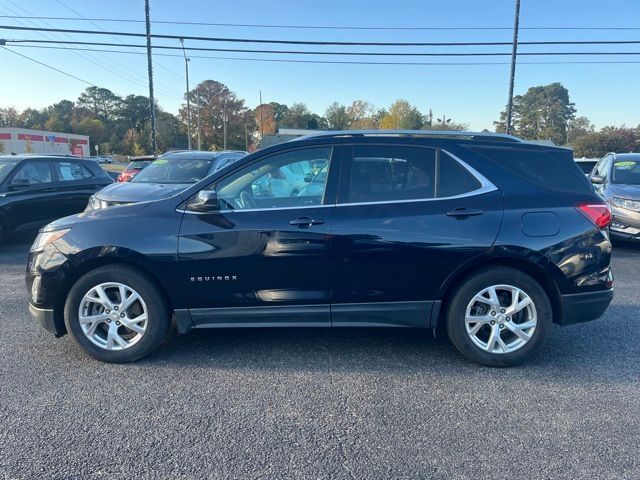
[(464, 293), (158, 312)]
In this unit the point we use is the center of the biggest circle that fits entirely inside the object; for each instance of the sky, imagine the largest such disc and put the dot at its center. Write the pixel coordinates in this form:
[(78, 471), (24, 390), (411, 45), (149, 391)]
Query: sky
[(608, 94)]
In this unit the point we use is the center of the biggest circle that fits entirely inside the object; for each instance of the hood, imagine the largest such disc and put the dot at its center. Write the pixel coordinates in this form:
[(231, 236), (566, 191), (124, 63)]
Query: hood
[(631, 192), (71, 220), (139, 192)]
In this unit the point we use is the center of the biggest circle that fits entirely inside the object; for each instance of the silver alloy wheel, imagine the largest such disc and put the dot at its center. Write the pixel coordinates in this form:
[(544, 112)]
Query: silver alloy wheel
[(501, 319), (113, 316)]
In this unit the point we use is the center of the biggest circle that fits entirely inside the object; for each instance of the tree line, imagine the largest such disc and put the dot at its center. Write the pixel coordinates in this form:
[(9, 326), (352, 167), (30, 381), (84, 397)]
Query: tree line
[(121, 125)]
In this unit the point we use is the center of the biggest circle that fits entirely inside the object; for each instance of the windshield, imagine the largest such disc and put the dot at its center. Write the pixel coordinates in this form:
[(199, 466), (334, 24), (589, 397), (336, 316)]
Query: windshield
[(626, 172), (138, 164), (6, 167), (175, 170)]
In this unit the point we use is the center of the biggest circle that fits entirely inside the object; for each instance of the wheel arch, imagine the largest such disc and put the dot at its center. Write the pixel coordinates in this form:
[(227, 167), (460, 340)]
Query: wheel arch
[(531, 268), (88, 265)]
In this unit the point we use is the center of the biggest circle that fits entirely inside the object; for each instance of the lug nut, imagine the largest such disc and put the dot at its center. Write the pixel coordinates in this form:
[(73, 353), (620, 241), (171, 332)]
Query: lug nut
[(108, 320), (118, 323), (107, 311), (115, 308), (502, 310), (492, 322), (501, 326), (508, 319), (493, 313), (122, 315)]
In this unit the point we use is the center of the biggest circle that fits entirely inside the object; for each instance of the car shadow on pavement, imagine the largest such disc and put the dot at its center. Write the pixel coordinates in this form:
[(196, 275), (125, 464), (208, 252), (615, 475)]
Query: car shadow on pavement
[(590, 351)]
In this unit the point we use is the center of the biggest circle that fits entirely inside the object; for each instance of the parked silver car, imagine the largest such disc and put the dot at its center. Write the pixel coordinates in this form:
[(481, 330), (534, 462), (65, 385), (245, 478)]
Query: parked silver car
[(617, 178)]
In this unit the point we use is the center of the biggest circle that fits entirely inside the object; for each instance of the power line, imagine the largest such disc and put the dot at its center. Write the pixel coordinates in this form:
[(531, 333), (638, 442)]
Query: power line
[(307, 52), (355, 62), (49, 66), (103, 63), (82, 17), (323, 42), (317, 27)]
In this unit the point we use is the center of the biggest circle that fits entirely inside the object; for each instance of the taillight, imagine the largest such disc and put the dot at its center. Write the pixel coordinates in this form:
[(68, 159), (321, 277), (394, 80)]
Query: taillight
[(598, 213)]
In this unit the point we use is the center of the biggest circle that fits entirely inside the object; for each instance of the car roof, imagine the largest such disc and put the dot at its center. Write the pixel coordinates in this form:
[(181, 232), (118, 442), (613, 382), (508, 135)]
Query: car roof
[(202, 154), (626, 156), (37, 156)]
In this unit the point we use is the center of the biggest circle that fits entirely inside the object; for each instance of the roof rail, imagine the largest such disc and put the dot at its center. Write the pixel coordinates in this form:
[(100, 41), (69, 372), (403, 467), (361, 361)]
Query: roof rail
[(412, 133)]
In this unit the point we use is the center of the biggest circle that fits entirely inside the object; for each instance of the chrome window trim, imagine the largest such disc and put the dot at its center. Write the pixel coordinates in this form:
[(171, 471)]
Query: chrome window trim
[(485, 187)]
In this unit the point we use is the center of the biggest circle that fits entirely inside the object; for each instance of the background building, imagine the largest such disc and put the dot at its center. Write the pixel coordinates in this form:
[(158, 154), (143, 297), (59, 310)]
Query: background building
[(24, 140)]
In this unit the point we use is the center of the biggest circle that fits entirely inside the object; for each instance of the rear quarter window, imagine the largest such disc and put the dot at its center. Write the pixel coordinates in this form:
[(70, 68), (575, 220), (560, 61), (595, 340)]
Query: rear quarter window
[(556, 172)]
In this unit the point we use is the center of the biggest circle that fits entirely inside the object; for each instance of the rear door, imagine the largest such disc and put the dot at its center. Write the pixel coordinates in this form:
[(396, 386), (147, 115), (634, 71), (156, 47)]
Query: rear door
[(31, 193), (406, 217), (74, 184)]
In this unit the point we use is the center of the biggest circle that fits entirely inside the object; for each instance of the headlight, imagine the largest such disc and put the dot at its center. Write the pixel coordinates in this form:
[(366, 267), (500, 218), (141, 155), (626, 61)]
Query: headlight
[(45, 238), (95, 204), (626, 203)]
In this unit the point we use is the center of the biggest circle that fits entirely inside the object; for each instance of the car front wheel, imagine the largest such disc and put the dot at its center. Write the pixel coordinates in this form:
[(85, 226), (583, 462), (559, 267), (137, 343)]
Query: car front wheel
[(116, 314), (500, 317)]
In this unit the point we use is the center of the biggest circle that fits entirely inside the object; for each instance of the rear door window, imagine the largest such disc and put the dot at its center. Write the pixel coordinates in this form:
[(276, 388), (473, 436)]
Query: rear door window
[(70, 171), (391, 173), (453, 178)]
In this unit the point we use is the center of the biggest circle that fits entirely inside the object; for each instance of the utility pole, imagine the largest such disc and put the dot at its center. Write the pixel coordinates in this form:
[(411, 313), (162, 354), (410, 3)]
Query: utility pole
[(514, 53), (152, 107), (224, 125), (186, 69), (199, 148), (261, 123)]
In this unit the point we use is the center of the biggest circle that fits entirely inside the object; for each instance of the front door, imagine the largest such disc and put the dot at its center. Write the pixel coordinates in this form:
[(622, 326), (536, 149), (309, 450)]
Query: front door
[(406, 217), (263, 257)]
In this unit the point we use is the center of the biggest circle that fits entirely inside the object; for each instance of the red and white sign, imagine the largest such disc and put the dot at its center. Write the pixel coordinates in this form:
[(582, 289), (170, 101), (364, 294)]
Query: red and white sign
[(76, 151)]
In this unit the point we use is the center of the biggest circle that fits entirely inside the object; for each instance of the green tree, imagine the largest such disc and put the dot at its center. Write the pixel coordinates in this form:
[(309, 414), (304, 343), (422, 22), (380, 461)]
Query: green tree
[(609, 139), (543, 112), (214, 100), (577, 127), (32, 118), (297, 116), (279, 112), (8, 117), (337, 116), (133, 110), (362, 115), (402, 116), (95, 129), (101, 102)]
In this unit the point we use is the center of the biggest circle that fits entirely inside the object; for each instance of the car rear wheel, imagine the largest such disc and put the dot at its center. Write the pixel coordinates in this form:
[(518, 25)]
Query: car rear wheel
[(499, 318), (116, 314)]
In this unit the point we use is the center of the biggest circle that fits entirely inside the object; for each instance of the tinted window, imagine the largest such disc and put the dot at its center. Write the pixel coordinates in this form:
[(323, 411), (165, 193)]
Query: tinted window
[(138, 165), (602, 168), (387, 173), (277, 181), (32, 173), (626, 171), (5, 168), (453, 178), (69, 171), (175, 170)]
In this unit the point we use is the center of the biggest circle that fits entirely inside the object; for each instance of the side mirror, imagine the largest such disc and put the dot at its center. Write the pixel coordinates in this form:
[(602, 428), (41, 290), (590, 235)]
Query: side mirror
[(205, 201), (597, 179)]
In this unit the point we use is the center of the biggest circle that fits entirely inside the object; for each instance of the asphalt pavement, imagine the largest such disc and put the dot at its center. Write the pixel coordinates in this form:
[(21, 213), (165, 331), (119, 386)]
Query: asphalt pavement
[(321, 404)]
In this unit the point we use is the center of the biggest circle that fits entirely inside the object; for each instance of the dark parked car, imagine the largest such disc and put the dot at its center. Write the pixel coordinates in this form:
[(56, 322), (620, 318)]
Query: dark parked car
[(168, 175), (617, 179), (586, 164), (494, 237), (135, 167), (35, 190)]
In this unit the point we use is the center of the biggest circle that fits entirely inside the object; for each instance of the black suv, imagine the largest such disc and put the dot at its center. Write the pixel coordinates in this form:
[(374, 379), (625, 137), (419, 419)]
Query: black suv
[(37, 189), (486, 234)]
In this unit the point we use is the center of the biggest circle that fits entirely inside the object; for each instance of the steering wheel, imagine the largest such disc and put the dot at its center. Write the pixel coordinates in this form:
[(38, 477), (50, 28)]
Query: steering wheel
[(246, 200)]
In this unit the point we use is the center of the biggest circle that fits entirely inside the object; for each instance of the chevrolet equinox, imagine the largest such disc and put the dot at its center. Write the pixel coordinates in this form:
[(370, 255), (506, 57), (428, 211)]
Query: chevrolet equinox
[(488, 235)]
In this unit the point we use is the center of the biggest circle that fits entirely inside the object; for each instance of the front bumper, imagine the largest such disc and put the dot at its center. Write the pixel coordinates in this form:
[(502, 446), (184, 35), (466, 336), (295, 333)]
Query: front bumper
[(584, 307), (45, 318), (625, 224)]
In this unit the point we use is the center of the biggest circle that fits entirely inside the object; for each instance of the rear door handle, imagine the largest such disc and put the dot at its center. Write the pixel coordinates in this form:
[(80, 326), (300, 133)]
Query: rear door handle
[(464, 212), (306, 221)]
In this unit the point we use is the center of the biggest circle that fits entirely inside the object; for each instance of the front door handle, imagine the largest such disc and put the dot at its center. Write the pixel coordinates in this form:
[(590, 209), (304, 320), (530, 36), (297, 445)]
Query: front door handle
[(306, 222), (464, 212)]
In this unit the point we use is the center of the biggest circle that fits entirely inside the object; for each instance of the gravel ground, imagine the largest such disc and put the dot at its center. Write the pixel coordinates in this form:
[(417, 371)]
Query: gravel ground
[(322, 404)]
